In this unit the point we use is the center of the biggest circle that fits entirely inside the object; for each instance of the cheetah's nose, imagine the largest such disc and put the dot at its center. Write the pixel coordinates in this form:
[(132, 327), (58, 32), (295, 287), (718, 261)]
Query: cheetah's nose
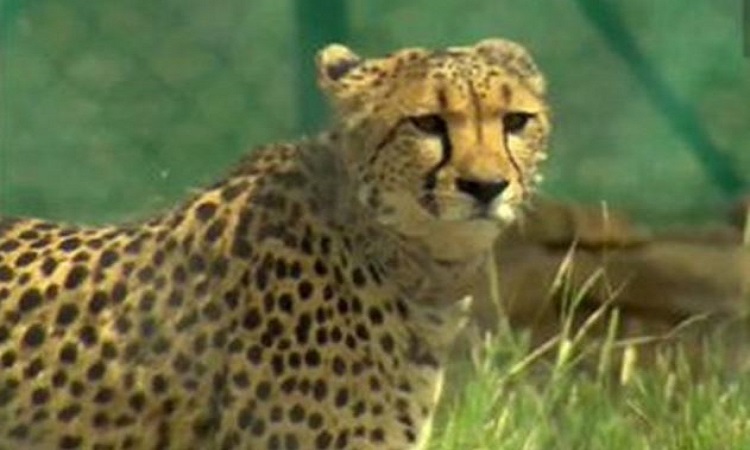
[(482, 191)]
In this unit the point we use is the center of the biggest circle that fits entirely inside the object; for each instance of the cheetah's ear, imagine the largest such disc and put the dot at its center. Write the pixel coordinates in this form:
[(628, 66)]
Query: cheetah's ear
[(334, 62), (514, 57), (339, 71)]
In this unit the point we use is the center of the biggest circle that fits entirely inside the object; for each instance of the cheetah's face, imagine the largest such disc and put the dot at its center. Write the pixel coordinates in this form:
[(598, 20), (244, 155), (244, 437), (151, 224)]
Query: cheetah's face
[(440, 139)]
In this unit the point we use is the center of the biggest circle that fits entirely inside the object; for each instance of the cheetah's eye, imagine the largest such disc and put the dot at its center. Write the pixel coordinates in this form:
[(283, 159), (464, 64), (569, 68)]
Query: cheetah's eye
[(430, 124), (515, 122)]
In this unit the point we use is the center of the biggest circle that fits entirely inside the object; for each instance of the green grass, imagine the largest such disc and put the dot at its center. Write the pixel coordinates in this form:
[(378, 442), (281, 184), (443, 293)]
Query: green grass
[(575, 392), (507, 403)]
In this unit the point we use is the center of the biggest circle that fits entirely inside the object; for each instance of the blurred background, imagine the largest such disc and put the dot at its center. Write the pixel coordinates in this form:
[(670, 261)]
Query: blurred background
[(110, 110)]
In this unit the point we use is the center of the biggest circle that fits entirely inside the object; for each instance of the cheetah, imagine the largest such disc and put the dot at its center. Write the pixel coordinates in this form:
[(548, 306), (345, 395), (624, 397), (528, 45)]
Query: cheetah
[(308, 300)]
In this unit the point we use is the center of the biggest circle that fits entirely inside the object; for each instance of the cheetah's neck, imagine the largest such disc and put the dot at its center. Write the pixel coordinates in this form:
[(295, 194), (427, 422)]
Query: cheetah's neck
[(410, 262)]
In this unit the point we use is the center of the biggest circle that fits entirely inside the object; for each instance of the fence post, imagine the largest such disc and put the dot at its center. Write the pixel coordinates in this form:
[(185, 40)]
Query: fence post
[(318, 23), (679, 115)]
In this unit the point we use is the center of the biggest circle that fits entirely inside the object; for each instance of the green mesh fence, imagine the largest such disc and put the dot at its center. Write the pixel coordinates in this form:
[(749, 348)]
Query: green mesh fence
[(111, 109)]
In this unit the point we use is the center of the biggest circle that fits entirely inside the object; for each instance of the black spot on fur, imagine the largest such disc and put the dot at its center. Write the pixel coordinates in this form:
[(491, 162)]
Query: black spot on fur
[(205, 211), (119, 292), (9, 245), (34, 335), (69, 244), (30, 300), (70, 442), (214, 231), (67, 314), (25, 258), (48, 266), (252, 319), (323, 440), (304, 289), (358, 277), (76, 276), (88, 335), (6, 273)]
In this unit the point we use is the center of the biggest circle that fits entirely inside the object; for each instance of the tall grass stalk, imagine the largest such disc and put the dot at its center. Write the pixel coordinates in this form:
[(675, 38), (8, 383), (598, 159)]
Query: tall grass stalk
[(515, 396)]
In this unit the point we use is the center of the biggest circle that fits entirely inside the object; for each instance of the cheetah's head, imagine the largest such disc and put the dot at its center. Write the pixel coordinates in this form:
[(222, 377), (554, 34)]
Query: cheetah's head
[(440, 142)]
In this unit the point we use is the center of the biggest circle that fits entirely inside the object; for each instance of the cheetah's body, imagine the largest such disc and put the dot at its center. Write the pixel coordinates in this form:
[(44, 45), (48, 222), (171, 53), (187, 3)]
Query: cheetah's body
[(299, 303)]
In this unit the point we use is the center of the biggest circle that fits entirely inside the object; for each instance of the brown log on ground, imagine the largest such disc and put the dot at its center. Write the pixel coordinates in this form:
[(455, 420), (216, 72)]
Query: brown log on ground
[(656, 282)]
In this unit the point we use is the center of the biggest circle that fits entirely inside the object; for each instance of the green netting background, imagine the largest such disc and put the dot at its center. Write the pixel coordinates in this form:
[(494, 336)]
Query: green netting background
[(110, 109)]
